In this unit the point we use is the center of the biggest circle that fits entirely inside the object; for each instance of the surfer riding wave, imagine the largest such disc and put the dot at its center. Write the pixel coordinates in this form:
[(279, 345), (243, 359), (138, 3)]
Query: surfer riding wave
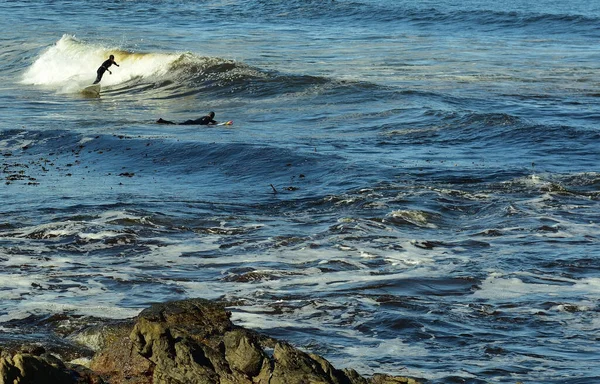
[(104, 67)]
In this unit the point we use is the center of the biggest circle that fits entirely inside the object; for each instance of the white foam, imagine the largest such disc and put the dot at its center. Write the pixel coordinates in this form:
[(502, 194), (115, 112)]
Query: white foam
[(418, 218), (14, 143), (42, 306), (499, 287), (390, 347), (70, 64), (98, 235), (358, 355), (51, 230)]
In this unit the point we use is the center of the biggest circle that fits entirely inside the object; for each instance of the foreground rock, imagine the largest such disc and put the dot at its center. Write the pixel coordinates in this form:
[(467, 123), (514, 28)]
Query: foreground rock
[(185, 342), (43, 368)]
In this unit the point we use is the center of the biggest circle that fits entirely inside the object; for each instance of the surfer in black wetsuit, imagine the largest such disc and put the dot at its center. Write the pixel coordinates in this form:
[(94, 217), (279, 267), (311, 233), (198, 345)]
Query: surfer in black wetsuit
[(104, 67), (204, 120)]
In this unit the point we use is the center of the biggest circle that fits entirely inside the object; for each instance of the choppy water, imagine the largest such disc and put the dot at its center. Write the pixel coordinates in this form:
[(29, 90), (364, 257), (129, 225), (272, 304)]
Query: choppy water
[(409, 187)]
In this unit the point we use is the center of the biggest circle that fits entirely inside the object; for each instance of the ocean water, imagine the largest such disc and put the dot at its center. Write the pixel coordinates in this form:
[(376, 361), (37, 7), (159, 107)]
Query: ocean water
[(409, 187)]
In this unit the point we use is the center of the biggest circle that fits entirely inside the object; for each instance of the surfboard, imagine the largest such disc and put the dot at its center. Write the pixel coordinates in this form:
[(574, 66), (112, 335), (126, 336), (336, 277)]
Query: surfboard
[(92, 90), (230, 122)]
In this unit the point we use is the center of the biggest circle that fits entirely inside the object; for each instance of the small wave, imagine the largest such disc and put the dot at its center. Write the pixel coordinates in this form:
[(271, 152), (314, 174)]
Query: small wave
[(469, 127), (496, 130), (70, 64), (72, 61), (417, 218)]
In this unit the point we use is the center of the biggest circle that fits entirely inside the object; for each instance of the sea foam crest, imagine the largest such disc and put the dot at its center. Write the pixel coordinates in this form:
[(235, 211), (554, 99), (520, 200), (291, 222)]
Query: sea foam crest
[(71, 62)]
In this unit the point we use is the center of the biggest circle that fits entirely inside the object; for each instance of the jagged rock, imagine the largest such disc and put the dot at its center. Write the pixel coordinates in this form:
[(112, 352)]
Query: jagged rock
[(243, 353), (117, 359), (194, 342), (24, 368), (293, 366), (183, 342)]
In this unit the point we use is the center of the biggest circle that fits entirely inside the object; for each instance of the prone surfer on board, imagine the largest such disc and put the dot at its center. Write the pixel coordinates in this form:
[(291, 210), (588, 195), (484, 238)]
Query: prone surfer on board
[(104, 67), (204, 120)]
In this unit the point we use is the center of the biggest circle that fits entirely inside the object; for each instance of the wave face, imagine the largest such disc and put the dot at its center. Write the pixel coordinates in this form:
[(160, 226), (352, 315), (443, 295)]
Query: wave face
[(408, 187), (71, 60)]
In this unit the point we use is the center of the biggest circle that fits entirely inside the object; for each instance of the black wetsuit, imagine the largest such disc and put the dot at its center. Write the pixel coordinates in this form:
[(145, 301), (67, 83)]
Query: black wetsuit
[(103, 69), (204, 120)]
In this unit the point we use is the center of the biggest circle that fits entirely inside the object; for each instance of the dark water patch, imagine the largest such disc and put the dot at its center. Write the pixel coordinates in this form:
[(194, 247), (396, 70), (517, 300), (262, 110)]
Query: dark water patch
[(576, 267), (410, 303), (297, 88), (394, 325), (572, 380), (219, 78), (421, 287), (584, 184), (191, 75), (483, 129), (478, 129), (467, 379), (64, 154), (336, 266), (488, 135)]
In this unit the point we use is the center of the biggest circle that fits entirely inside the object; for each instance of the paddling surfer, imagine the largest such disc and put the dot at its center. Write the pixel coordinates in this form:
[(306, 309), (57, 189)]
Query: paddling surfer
[(104, 67), (204, 120)]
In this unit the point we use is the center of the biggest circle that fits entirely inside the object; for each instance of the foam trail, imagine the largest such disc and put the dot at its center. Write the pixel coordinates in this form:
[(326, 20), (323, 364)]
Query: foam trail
[(70, 64)]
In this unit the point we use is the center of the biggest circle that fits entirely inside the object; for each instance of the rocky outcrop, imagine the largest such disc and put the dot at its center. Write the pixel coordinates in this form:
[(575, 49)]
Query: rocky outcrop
[(40, 367), (183, 342), (116, 358)]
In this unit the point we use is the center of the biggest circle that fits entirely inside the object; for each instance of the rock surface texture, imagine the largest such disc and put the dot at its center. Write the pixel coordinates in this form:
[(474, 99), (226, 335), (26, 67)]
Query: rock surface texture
[(184, 342)]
